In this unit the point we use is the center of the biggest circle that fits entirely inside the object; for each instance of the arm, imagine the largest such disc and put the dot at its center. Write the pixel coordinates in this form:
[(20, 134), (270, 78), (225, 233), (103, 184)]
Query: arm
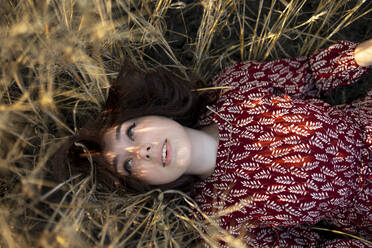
[(339, 65), (298, 236), (294, 236), (303, 77), (287, 76)]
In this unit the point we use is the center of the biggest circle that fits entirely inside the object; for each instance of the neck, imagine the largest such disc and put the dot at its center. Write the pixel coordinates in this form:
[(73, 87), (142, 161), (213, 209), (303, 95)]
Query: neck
[(204, 151)]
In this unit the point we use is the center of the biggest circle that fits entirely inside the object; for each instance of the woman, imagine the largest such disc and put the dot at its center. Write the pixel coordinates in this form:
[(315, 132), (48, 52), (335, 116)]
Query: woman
[(267, 159)]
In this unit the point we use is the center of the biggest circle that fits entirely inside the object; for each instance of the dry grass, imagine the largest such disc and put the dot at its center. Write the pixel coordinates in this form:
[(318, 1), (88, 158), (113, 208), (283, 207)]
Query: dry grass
[(57, 60)]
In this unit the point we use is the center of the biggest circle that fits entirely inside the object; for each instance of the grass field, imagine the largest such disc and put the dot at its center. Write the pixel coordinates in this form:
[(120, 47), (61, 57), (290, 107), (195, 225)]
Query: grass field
[(58, 58)]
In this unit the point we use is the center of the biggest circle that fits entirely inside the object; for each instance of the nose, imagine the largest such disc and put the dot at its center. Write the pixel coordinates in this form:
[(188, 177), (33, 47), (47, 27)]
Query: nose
[(145, 152)]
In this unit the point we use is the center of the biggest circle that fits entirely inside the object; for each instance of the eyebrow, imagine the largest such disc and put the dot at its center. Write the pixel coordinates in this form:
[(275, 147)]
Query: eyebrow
[(118, 130)]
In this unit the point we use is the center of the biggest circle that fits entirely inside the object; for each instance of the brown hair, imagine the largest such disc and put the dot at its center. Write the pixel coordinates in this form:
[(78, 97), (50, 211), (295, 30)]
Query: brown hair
[(134, 93)]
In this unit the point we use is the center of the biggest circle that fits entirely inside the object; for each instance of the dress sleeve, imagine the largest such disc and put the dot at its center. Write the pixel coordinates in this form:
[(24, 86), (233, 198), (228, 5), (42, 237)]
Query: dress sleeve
[(295, 236), (284, 76), (336, 66), (345, 243), (301, 77)]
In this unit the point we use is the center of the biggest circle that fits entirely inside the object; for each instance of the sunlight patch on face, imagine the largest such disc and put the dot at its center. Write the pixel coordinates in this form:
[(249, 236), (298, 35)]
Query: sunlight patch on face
[(140, 172), (109, 156), (148, 129), (132, 149)]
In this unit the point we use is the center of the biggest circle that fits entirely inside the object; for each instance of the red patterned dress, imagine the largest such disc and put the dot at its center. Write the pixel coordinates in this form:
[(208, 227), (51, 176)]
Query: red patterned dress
[(287, 161)]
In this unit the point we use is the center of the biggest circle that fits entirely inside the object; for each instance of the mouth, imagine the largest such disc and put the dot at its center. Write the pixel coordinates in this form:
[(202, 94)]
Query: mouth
[(165, 156)]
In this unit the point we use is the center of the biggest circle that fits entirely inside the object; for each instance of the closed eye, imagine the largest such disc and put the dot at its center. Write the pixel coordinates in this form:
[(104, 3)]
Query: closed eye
[(128, 166), (130, 131)]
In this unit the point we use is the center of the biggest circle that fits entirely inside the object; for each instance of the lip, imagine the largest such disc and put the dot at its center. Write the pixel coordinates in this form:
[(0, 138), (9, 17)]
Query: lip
[(168, 156), (168, 160)]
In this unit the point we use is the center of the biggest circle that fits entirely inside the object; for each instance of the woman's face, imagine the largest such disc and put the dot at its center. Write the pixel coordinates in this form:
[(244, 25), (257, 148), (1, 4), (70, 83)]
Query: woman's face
[(153, 149)]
